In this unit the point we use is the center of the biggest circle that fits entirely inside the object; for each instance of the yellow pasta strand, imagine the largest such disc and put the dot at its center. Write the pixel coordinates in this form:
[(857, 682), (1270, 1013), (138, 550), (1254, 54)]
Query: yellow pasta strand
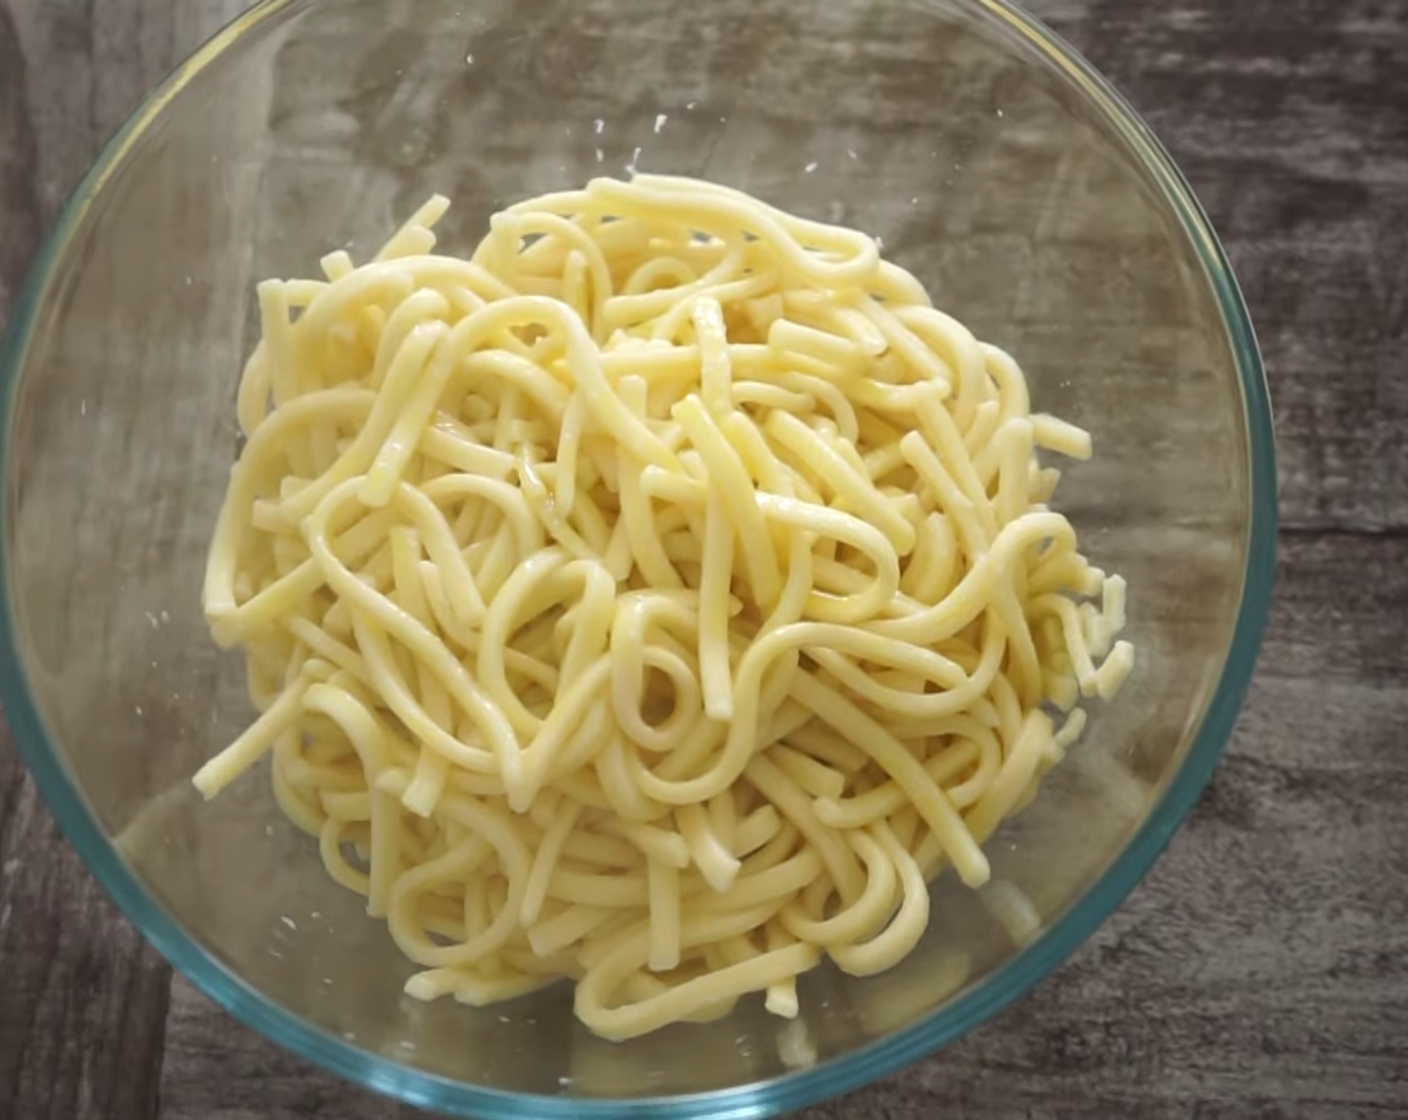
[(654, 598)]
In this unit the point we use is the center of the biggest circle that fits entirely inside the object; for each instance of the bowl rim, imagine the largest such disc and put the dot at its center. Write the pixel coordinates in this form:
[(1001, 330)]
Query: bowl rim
[(795, 1090)]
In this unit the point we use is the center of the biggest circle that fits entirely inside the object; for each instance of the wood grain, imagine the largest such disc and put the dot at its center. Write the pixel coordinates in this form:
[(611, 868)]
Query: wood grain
[(1287, 116), (83, 1008), (83, 1002), (82, 1014), (1262, 969)]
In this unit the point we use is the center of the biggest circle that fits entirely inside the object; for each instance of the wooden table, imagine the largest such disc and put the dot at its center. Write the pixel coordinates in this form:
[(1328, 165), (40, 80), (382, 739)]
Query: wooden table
[(1262, 969)]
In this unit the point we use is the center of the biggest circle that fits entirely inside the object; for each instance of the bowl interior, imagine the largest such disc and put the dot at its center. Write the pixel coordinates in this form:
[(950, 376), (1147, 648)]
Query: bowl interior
[(985, 162)]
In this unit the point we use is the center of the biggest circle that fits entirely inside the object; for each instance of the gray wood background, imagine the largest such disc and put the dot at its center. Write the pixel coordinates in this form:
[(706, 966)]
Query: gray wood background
[(1262, 968)]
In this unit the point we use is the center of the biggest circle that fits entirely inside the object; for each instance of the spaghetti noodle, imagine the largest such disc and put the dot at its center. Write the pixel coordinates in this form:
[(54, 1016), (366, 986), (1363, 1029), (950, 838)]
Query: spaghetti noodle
[(658, 598)]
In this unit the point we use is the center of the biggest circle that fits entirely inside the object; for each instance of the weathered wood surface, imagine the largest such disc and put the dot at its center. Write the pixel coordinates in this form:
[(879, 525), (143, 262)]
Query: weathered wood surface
[(1262, 969), (83, 1014)]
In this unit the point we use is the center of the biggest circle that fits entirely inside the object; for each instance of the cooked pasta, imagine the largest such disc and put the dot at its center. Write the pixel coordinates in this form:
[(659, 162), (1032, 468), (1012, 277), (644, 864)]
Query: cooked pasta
[(659, 598)]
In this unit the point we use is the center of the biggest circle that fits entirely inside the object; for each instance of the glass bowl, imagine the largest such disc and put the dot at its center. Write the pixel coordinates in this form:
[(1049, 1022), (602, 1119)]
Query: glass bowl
[(990, 160)]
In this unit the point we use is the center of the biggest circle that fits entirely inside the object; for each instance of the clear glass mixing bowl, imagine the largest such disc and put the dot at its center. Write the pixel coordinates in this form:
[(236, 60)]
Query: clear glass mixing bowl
[(991, 161)]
